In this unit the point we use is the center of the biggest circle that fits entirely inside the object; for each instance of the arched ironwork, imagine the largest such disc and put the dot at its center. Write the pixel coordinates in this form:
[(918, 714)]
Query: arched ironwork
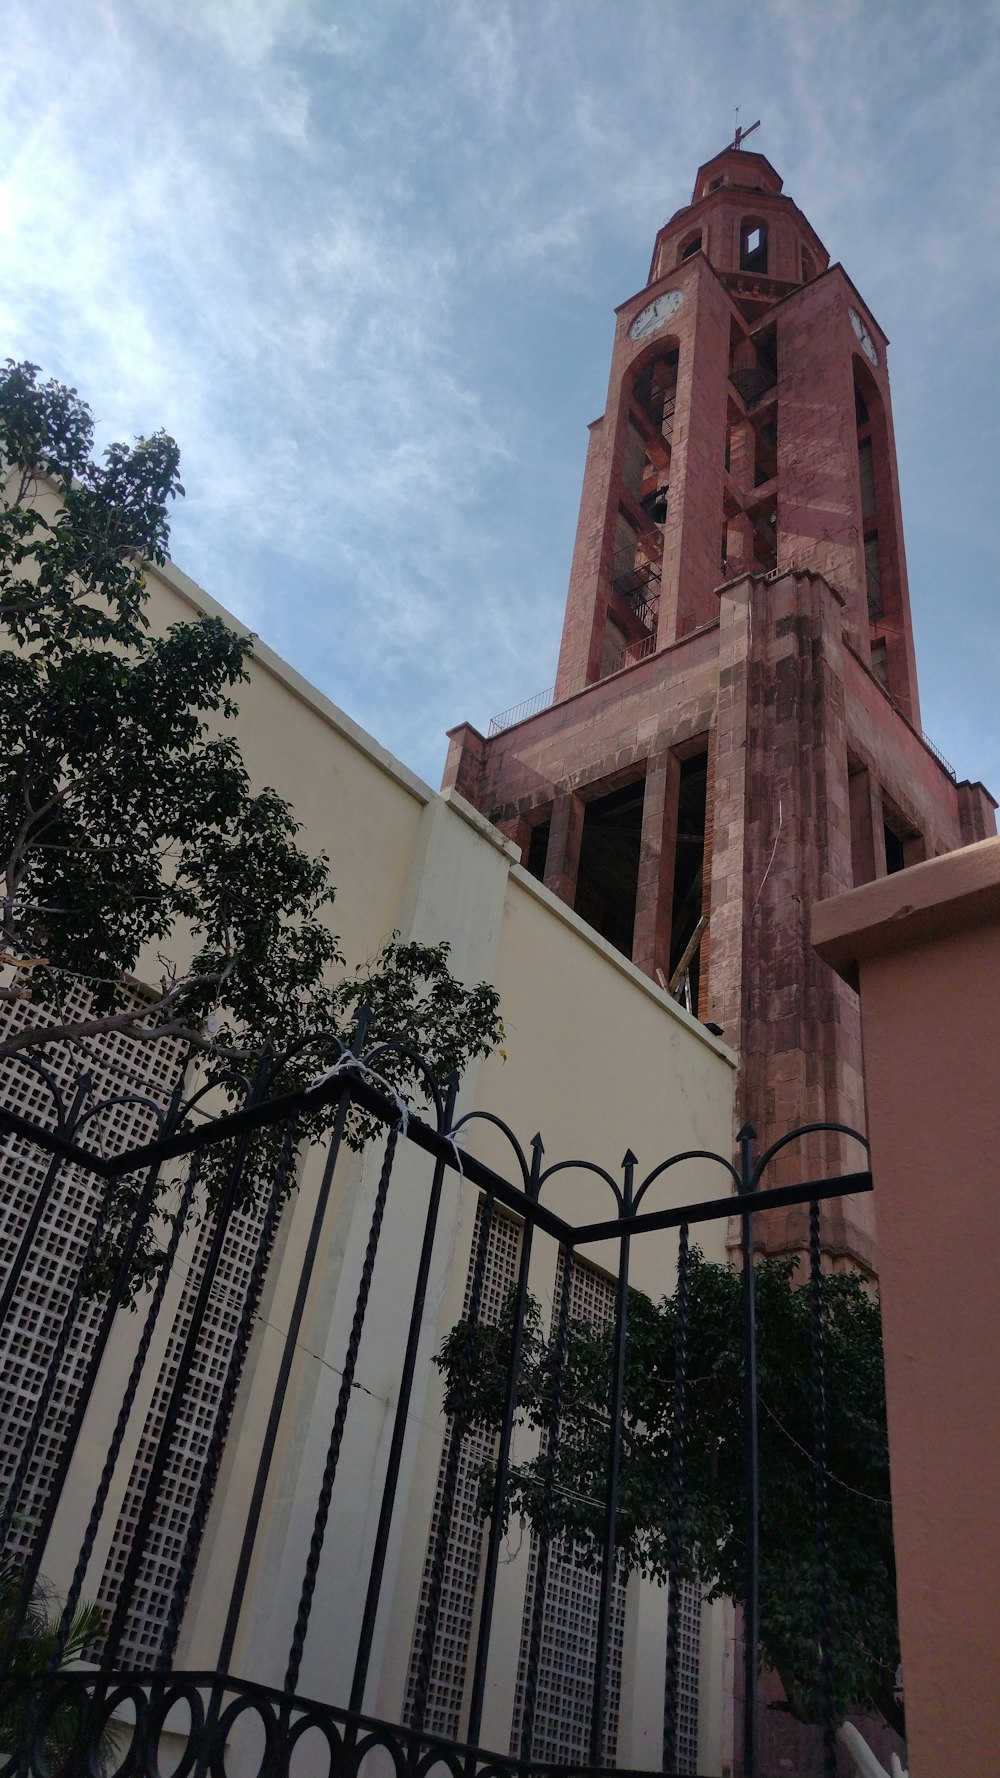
[(60, 1720)]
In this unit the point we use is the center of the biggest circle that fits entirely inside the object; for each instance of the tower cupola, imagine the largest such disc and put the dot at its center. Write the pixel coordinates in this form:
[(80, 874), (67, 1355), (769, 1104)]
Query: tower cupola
[(739, 168), (741, 220)]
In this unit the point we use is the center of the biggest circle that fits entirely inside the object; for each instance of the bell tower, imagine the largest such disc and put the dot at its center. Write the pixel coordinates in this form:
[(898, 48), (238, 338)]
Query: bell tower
[(748, 428), (734, 730)]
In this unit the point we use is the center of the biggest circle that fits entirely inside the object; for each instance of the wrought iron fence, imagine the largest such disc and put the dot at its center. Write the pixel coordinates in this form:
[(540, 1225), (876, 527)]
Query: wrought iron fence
[(53, 1718)]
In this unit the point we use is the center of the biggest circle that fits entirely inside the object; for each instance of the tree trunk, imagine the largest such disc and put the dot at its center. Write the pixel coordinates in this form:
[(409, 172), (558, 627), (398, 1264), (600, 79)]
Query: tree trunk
[(864, 1759)]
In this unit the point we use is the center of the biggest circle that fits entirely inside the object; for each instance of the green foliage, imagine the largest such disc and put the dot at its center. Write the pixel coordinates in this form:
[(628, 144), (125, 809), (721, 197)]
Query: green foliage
[(29, 1649), (862, 1575), (128, 822)]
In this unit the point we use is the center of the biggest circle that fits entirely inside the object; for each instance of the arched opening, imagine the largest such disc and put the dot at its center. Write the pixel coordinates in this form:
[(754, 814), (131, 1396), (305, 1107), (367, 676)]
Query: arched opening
[(635, 546), (866, 409), (879, 542), (753, 245), (689, 247)]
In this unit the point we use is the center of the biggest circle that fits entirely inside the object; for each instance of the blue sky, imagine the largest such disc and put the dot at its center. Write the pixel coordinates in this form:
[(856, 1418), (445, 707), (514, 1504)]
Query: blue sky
[(361, 257)]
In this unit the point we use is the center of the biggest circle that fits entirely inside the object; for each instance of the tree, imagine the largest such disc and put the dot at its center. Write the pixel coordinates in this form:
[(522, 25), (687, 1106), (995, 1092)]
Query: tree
[(128, 822), (864, 1637)]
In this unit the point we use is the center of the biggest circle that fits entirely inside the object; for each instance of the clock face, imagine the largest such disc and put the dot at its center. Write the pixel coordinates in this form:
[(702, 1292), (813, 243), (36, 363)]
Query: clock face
[(656, 314), (865, 340)]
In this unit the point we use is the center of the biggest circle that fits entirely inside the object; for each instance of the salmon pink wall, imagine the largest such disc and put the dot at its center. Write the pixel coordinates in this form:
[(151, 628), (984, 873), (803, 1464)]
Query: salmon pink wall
[(923, 947)]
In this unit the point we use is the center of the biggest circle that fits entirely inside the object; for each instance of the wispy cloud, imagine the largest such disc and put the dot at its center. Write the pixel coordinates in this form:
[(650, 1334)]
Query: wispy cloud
[(361, 260)]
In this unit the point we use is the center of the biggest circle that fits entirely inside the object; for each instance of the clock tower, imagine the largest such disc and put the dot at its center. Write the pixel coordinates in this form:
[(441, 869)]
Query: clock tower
[(734, 731)]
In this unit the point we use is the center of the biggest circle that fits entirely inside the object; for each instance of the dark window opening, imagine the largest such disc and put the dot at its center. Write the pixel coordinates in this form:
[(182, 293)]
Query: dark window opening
[(873, 578), (693, 246), (808, 266), (689, 866), (766, 342), (753, 247), (765, 540), (894, 854), (633, 462), (655, 392), (608, 874), (866, 470), (765, 438), (904, 845), (862, 836), (880, 663), (880, 565), (633, 610), (538, 846), (614, 649)]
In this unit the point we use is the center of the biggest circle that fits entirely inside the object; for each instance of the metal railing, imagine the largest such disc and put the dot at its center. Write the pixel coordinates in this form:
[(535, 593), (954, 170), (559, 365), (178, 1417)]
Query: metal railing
[(520, 712), (632, 573), (629, 655), (938, 755), (211, 1714)]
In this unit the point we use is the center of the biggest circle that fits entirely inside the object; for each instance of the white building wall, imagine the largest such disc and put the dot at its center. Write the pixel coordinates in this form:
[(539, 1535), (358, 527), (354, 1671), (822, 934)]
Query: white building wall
[(596, 1057)]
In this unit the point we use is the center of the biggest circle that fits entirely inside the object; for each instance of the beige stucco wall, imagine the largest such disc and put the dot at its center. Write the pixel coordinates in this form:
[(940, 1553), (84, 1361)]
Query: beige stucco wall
[(596, 1058), (923, 947)]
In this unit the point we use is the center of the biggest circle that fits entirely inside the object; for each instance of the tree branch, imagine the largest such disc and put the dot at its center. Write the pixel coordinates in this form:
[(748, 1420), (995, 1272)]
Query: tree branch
[(130, 1022)]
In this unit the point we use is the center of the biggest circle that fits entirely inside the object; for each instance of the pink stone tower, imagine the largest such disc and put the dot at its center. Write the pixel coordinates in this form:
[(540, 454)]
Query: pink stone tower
[(735, 730)]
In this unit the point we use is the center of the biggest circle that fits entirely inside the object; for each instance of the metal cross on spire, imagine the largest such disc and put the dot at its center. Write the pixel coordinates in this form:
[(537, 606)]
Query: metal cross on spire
[(738, 139)]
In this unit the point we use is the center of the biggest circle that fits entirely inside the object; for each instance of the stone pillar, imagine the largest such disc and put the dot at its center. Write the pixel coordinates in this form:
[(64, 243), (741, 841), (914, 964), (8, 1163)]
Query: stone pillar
[(800, 1036), (466, 762), (651, 935), (727, 792), (977, 812), (867, 827), (562, 858)]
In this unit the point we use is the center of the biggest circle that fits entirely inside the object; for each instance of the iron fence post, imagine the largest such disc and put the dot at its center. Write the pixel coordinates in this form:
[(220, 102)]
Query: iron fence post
[(457, 1432), (125, 1413), (821, 1491), (751, 1613), (182, 1382), (678, 1406), (367, 1631), (497, 1514), (330, 1468), (249, 1538), (38, 1208), (227, 1395), (615, 1411), (544, 1534)]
